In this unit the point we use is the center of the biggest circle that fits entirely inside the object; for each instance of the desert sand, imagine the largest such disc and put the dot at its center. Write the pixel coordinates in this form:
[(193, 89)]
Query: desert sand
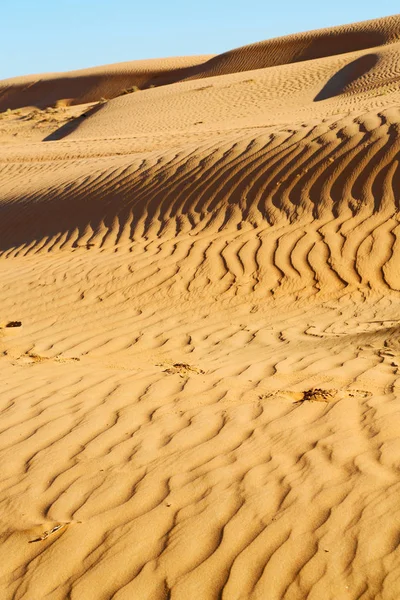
[(200, 325)]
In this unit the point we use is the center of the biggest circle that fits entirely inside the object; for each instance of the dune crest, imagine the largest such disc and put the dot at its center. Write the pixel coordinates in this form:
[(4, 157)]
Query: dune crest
[(199, 331)]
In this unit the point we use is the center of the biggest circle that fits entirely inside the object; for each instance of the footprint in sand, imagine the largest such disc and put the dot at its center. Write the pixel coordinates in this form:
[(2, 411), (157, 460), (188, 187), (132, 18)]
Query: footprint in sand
[(30, 358), (182, 369), (318, 395)]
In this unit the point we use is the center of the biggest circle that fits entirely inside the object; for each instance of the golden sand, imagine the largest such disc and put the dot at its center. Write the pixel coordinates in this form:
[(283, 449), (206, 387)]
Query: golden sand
[(199, 325)]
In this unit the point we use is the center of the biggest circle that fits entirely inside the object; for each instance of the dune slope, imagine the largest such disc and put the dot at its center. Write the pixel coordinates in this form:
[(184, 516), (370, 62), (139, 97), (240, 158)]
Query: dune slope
[(199, 331)]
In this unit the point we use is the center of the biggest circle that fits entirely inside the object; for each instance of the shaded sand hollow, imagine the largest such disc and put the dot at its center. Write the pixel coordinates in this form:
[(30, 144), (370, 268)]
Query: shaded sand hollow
[(200, 325)]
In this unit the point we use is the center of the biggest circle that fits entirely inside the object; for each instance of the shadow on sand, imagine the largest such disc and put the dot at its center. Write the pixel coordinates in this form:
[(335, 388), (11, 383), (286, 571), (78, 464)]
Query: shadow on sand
[(347, 75), (71, 126)]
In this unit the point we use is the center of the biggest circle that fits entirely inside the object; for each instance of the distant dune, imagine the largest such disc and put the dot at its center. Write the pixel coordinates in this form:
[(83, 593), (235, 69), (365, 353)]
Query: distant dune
[(199, 324), (91, 85)]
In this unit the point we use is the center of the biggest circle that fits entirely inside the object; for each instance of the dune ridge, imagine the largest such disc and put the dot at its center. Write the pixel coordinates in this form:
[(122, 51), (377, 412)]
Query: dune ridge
[(199, 326), (90, 85)]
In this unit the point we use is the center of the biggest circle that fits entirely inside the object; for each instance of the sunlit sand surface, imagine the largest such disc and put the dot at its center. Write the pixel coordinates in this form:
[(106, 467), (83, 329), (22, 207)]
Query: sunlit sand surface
[(200, 325)]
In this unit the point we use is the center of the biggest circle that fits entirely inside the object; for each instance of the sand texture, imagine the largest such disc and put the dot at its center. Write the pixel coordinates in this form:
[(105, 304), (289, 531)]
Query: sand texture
[(200, 325)]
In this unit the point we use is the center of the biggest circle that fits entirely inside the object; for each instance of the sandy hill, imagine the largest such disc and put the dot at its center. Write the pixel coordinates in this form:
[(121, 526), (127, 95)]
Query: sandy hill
[(199, 331), (90, 85)]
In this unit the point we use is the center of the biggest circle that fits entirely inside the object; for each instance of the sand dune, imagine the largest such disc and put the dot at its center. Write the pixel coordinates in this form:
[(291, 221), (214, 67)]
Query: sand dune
[(306, 46), (199, 330), (90, 85)]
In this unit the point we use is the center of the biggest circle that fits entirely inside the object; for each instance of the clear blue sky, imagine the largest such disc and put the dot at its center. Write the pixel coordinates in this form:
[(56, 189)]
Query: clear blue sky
[(39, 36)]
